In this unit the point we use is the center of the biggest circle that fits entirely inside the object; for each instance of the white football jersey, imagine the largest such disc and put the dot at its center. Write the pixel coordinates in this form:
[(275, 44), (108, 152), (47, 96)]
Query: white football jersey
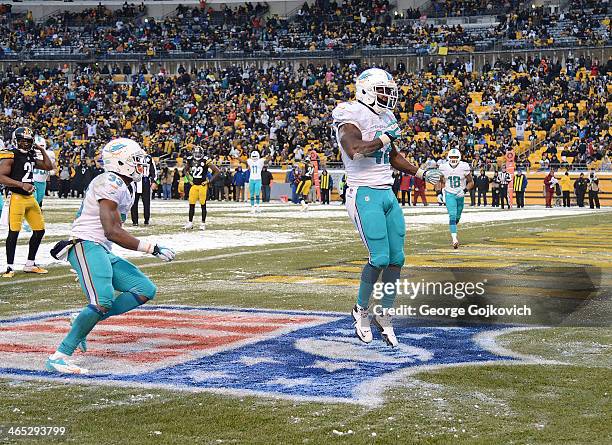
[(255, 168), (455, 179), (43, 175), (375, 169), (87, 224)]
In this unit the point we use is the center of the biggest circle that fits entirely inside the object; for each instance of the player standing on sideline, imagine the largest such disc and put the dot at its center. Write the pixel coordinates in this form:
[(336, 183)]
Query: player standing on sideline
[(41, 176), (456, 182), (303, 188), (365, 130), (255, 164), (17, 174), (198, 192), (97, 226)]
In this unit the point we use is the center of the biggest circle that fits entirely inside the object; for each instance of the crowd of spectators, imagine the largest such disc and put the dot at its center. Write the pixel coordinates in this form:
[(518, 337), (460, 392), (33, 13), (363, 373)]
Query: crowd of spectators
[(284, 110), (322, 26), (454, 8)]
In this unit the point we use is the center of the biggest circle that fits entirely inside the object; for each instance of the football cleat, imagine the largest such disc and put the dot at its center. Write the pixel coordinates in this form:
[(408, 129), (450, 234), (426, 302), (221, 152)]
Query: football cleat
[(83, 344), (188, 226), (258, 209), (63, 366), (34, 269), (455, 244), (202, 226), (383, 322), (10, 273), (252, 211), (362, 324)]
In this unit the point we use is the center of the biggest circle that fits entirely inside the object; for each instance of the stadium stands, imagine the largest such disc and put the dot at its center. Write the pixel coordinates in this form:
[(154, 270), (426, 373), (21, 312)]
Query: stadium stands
[(249, 31)]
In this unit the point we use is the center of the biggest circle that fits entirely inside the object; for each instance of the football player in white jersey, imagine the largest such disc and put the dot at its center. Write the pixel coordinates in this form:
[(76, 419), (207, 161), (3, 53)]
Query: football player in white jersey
[(99, 224), (41, 176), (256, 164), (456, 182), (366, 129)]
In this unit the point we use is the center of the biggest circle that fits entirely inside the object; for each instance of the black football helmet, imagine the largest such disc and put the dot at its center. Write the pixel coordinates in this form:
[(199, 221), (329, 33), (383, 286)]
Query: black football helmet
[(198, 153), (23, 139)]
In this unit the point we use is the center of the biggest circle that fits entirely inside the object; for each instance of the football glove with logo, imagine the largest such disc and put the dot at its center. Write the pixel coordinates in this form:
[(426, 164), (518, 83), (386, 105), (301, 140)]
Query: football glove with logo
[(432, 175), (164, 253), (391, 133)]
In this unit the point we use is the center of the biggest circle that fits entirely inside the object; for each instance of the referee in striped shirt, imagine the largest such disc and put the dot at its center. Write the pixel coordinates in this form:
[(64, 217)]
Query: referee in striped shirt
[(503, 178)]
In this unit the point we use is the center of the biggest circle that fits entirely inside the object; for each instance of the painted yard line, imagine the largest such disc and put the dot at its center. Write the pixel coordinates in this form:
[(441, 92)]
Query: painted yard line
[(159, 264), (279, 249)]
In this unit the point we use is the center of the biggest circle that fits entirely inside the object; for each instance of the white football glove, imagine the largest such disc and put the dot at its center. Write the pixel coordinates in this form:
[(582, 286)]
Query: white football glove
[(164, 253), (432, 176), (40, 142)]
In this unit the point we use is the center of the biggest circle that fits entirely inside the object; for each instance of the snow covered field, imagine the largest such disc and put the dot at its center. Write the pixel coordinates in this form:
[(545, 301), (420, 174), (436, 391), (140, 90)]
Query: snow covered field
[(273, 226)]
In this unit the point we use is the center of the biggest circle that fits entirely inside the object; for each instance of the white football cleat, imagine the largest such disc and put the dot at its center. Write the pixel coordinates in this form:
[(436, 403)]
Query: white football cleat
[(63, 366), (383, 322), (202, 226), (258, 209), (362, 324), (188, 226), (252, 211)]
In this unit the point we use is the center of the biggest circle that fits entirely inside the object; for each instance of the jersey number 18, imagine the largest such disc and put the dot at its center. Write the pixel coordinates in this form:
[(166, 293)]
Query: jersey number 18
[(454, 181)]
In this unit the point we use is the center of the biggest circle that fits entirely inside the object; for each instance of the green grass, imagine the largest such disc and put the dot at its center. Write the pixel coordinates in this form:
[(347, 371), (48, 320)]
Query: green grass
[(568, 403)]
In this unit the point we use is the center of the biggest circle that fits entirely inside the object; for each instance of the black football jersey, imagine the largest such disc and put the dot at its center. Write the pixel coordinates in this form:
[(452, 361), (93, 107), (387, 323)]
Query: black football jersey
[(22, 169), (199, 171)]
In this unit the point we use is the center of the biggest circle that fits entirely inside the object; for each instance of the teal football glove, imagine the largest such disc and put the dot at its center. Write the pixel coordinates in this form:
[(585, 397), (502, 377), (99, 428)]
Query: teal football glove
[(164, 253), (393, 131)]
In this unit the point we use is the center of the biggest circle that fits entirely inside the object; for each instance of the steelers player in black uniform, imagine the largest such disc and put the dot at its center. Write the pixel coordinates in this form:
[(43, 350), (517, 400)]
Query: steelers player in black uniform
[(17, 166), (305, 184), (198, 168)]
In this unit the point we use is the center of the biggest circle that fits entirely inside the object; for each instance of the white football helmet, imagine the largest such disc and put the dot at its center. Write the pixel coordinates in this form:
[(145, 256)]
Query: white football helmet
[(124, 157), (255, 155), (453, 157), (376, 89)]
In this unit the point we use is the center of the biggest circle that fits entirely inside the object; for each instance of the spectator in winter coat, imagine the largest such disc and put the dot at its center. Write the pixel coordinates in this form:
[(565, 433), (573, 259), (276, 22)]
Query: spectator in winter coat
[(238, 182), (405, 187), (549, 187), (482, 186), (419, 191), (580, 189), (266, 183), (566, 185)]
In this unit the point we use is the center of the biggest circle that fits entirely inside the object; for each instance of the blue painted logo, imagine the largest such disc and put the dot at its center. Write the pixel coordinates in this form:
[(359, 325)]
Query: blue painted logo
[(298, 355)]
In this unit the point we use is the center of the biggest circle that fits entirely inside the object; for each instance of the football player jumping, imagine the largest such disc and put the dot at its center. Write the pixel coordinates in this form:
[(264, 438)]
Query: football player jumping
[(198, 167), (366, 129), (97, 226), (456, 181), (17, 166)]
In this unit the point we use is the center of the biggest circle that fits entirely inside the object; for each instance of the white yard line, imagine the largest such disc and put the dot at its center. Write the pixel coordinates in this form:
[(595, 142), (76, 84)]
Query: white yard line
[(248, 252)]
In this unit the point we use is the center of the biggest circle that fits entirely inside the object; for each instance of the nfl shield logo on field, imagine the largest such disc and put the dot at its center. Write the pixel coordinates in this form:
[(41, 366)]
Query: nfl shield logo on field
[(296, 355)]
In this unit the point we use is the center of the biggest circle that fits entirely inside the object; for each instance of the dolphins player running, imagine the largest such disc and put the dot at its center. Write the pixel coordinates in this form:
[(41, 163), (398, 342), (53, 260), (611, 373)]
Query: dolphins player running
[(365, 130), (97, 226), (456, 181)]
